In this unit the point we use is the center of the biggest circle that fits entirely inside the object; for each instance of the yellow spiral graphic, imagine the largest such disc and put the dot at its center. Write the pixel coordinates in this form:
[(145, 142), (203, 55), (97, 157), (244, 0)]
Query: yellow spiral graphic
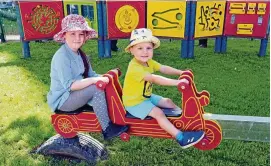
[(43, 19)]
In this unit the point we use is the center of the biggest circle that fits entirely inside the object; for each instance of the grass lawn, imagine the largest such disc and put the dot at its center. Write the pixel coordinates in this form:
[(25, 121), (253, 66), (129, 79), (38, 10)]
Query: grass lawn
[(10, 27), (238, 81)]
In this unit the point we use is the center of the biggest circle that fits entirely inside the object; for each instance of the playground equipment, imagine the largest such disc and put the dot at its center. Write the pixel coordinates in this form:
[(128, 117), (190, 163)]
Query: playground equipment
[(183, 20), (190, 118)]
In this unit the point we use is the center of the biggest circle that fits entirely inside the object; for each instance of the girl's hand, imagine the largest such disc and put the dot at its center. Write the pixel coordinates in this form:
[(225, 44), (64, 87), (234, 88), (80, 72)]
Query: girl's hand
[(104, 79)]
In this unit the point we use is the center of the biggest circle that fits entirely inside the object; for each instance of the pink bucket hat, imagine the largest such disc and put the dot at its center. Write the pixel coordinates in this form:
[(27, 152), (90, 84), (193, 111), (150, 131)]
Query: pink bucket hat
[(74, 22)]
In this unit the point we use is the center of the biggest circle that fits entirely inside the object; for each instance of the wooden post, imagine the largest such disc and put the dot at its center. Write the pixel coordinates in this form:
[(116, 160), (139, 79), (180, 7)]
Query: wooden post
[(191, 34), (223, 48), (264, 42), (107, 43), (263, 47), (184, 42), (25, 44), (100, 29), (218, 42)]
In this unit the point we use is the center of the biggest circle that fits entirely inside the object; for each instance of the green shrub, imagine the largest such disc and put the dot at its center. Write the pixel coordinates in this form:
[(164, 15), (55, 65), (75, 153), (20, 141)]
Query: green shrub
[(8, 14)]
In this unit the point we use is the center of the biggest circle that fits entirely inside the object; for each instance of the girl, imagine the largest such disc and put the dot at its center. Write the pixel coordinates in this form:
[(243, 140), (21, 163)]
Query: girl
[(72, 78)]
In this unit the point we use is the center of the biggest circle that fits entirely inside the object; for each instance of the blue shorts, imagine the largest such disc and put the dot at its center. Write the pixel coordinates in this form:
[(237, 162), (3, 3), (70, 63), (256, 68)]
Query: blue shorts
[(143, 109)]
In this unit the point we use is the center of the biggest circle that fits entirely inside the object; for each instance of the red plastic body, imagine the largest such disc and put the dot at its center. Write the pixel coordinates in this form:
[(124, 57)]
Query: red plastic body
[(191, 118)]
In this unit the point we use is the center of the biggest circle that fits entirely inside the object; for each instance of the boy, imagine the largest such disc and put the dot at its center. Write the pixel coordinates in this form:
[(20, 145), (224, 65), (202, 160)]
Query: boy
[(137, 91)]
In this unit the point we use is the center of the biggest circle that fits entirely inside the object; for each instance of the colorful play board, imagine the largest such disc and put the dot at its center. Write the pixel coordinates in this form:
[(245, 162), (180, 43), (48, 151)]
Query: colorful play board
[(86, 8), (123, 17), (166, 19), (209, 19), (40, 20), (247, 18)]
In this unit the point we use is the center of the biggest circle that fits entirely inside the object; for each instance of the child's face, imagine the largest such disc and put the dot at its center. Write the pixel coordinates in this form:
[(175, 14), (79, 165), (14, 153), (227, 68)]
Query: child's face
[(75, 39), (142, 51)]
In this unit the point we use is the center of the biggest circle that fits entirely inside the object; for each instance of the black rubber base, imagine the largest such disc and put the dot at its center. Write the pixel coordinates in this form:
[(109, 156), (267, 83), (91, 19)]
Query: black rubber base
[(82, 147)]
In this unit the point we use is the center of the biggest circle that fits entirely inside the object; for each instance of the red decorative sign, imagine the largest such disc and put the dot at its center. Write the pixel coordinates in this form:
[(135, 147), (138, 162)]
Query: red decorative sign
[(247, 18), (41, 20), (123, 17)]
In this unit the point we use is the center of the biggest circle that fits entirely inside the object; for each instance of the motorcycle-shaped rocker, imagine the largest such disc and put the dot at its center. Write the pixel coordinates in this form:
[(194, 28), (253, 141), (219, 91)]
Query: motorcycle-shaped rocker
[(190, 118)]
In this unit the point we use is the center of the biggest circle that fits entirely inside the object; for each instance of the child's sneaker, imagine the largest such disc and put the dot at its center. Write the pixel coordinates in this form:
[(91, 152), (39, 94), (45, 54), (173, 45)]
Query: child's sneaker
[(190, 138)]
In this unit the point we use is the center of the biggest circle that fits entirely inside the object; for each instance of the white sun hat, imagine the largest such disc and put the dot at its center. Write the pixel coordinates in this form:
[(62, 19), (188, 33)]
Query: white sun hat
[(140, 36)]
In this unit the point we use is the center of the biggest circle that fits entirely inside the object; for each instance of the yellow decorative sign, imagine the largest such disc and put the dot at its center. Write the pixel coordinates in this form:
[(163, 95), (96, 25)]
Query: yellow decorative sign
[(237, 8), (244, 29), (261, 8), (251, 8), (166, 19), (127, 18), (209, 18)]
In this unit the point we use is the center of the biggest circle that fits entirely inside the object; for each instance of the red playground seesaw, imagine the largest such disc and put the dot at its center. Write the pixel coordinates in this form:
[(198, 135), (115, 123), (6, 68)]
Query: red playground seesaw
[(190, 118)]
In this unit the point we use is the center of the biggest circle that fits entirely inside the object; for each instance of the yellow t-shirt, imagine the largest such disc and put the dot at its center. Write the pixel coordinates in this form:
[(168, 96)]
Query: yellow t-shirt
[(135, 88)]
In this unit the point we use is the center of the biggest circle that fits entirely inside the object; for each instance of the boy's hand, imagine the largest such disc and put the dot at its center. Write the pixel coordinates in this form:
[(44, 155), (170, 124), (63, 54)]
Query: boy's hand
[(184, 81), (181, 72)]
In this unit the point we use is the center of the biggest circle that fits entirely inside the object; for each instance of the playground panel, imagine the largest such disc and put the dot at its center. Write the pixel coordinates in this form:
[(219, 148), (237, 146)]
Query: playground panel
[(41, 20), (88, 9), (209, 18), (166, 19), (247, 19), (123, 17)]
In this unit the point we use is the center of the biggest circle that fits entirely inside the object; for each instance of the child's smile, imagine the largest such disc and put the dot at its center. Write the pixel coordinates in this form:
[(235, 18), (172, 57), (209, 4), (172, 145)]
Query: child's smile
[(142, 52), (75, 39)]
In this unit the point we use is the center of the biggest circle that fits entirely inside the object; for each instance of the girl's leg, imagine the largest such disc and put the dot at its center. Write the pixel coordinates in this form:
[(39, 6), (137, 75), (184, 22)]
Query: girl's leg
[(110, 130), (81, 97), (163, 122)]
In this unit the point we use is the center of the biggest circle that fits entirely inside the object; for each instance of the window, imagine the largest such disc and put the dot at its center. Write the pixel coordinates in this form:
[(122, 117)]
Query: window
[(88, 12), (72, 9)]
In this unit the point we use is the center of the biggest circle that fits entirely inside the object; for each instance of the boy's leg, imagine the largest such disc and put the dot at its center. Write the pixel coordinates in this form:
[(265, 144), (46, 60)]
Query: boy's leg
[(163, 122), (186, 138), (189, 138), (162, 102), (166, 103)]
